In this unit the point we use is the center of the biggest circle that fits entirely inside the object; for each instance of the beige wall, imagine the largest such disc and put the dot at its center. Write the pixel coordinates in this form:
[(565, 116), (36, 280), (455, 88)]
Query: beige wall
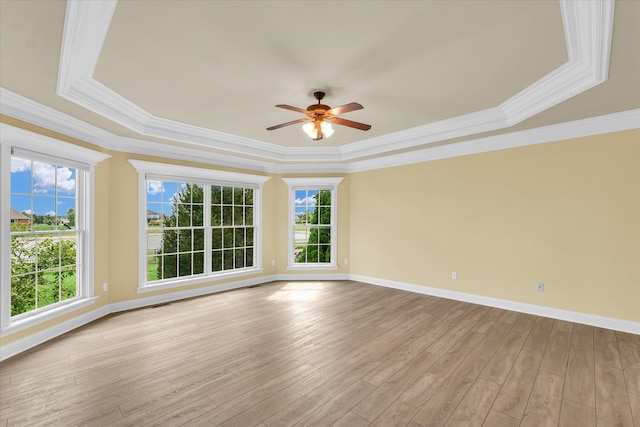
[(564, 213)]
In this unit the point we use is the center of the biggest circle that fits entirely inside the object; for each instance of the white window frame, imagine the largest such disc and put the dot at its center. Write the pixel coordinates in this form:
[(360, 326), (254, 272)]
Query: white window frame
[(58, 152), (168, 172), (327, 183)]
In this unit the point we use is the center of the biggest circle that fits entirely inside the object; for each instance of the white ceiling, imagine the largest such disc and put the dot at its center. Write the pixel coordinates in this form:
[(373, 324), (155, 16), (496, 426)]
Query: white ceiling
[(207, 74)]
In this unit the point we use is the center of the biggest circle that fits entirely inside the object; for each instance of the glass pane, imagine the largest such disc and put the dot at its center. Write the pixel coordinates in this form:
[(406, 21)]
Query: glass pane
[(66, 181), (227, 195), (324, 215), (20, 175), (169, 266), (216, 216), (169, 191), (154, 191), (238, 196), (23, 294), (198, 263), (248, 216), (239, 232), (48, 253), (184, 241), (227, 215), (184, 215), (228, 259), (324, 253), (228, 238), (324, 235), (184, 193), (324, 198), (169, 242), (45, 213), (66, 213), (249, 238), (240, 258), (197, 218), (21, 217), (216, 261), (44, 179), (69, 283), (248, 196), (154, 240), (153, 263), (198, 239), (216, 195), (185, 265), (23, 254), (47, 289), (249, 257), (68, 249), (216, 235), (154, 215), (238, 215)]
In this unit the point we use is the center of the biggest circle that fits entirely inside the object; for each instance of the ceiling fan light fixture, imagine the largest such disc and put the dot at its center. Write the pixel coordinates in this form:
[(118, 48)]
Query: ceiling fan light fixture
[(311, 129)]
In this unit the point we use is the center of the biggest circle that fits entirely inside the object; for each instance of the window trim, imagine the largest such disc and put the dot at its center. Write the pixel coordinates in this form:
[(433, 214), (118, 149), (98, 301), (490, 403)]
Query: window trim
[(324, 183), (164, 171), (22, 140)]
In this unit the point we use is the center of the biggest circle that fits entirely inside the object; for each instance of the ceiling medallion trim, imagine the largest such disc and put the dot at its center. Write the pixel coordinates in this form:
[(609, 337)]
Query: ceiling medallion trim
[(588, 32)]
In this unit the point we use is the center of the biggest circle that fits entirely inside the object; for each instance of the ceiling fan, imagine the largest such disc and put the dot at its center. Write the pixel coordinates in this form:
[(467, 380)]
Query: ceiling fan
[(320, 116)]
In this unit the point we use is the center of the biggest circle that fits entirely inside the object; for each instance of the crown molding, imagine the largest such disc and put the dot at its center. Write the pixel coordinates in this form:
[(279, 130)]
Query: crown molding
[(616, 122), (588, 31)]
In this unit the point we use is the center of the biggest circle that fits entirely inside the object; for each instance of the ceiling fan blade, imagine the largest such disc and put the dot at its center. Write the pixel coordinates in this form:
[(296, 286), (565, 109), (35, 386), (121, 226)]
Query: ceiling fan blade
[(349, 123), (292, 108), (293, 122), (344, 109)]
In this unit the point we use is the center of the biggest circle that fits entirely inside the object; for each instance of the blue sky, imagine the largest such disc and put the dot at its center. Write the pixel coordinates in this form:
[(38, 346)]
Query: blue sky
[(305, 201), (160, 195), (42, 188)]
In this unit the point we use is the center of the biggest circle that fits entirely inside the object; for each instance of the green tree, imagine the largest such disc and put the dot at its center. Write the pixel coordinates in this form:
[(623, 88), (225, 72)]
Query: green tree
[(71, 215), (318, 248), (53, 284)]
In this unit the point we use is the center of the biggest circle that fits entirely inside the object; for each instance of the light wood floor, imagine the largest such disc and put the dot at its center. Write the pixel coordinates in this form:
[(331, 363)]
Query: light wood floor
[(325, 353)]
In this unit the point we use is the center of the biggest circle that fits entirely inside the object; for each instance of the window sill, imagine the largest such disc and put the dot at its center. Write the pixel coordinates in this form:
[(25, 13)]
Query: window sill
[(152, 287), (29, 321), (312, 267)]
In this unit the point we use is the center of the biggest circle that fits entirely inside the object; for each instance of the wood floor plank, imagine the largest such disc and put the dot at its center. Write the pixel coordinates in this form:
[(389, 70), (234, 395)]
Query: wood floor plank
[(543, 408), (539, 335), (576, 415), (404, 408), (498, 419), (476, 404), (556, 354), (374, 404), (514, 394), (351, 419), (437, 410), (491, 341), (503, 359), (612, 401), (605, 347), (629, 350), (582, 336), (579, 384)]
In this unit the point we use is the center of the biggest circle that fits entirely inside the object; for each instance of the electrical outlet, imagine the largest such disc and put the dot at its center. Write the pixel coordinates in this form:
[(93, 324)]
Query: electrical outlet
[(540, 287), (346, 261), (273, 262), (105, 286), (454, 276)]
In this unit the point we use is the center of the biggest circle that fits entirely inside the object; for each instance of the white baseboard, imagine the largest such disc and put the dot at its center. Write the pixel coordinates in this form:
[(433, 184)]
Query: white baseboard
[(24, 344), (18, 346), (538, 310)]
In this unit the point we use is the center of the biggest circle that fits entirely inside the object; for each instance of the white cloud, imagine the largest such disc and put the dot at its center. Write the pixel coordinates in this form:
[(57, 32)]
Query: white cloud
[(50, 213), (27, 211), (154, 187), (20, 165), (307, 201), (47, 177)]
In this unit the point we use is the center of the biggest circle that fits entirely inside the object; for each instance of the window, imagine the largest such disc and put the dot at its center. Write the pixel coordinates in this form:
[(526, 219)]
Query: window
[(47, 268), (197, 224), (312, 222)]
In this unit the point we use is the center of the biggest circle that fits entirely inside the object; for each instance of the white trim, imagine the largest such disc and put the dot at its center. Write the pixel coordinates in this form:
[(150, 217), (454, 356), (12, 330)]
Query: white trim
[(24, 344), (588, 34), (538, 310), (189, 281), (312, 266), (312, 276)]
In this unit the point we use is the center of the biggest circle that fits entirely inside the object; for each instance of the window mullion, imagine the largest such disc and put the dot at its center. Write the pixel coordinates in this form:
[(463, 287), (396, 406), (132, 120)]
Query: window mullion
[(208, 229)]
